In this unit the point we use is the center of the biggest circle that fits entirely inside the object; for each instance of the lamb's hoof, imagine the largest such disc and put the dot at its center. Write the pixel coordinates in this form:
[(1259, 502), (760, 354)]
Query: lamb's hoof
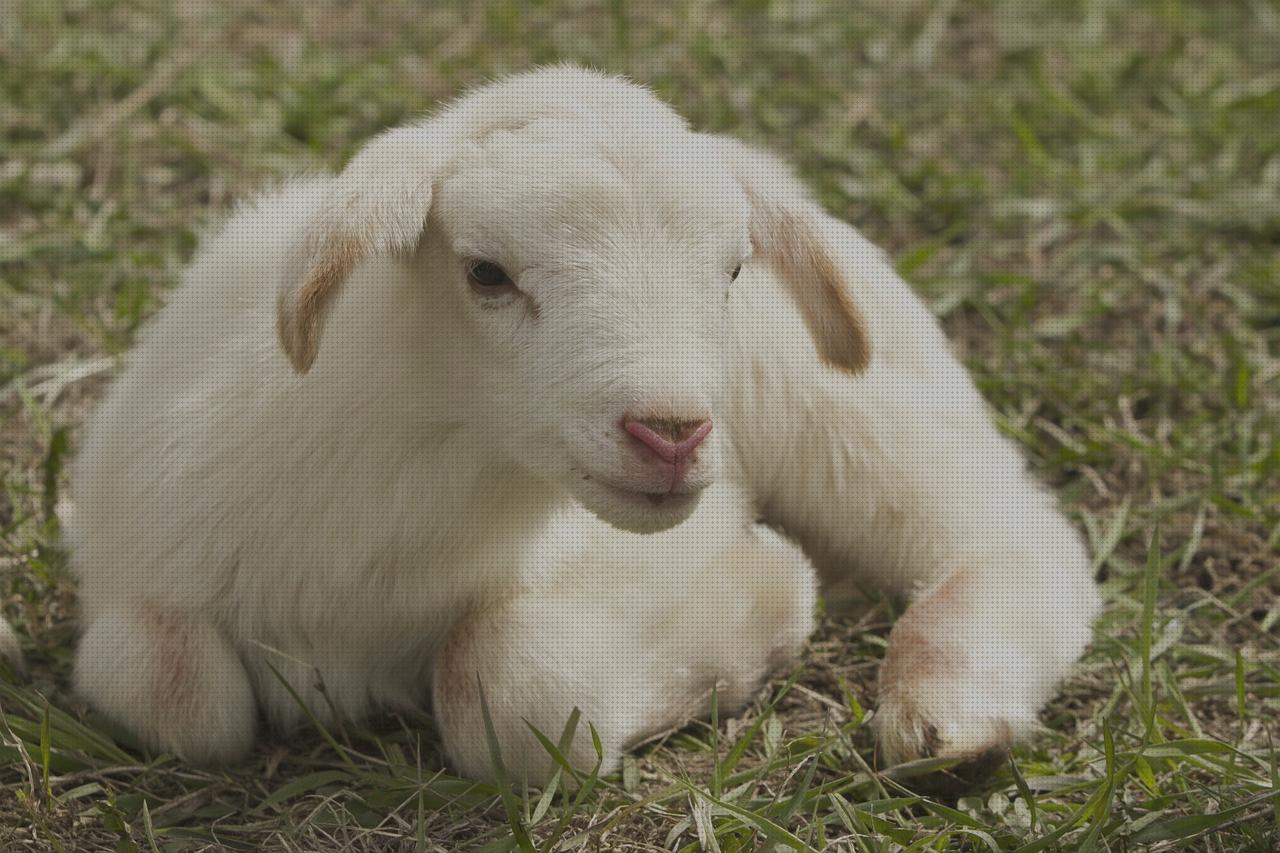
[(965, 775), (915, 752)]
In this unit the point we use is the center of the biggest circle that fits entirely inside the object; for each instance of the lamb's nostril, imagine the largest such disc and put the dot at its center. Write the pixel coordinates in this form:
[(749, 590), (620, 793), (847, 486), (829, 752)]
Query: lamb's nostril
[(672, 439)]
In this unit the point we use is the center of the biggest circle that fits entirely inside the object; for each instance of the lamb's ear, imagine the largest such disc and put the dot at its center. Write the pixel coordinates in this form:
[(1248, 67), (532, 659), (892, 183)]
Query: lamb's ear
[(376, 205), (786, 232)]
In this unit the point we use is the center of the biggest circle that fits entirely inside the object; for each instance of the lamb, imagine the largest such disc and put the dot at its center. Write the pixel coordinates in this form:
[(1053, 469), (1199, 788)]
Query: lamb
[(513, 409)]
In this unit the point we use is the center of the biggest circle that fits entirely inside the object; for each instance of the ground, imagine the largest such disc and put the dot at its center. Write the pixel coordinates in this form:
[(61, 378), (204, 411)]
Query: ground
[(1087, 194)]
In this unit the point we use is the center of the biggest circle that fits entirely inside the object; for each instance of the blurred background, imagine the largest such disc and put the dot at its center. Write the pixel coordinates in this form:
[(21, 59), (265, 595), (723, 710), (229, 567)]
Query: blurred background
[(1086, 192)]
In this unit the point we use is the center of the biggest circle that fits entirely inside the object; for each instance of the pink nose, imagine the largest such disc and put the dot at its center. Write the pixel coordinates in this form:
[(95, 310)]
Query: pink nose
[(672, 439)]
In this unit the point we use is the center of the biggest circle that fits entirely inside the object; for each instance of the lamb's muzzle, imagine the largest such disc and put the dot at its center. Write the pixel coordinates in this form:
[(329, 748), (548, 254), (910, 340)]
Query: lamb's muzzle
[(671, 440)]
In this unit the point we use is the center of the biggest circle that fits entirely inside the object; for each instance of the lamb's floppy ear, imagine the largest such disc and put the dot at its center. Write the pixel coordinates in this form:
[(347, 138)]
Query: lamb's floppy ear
[(376, 205), (786, 232)]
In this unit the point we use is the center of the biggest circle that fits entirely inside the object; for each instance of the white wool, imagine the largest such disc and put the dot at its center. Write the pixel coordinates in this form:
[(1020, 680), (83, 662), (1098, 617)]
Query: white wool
[(444, 498)]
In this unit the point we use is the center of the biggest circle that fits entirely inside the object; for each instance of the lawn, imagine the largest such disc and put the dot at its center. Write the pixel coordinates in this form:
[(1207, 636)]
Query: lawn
[(1087, 194)]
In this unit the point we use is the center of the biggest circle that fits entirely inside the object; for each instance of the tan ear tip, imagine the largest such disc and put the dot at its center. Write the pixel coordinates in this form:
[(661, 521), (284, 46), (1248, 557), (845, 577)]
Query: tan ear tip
[(301, 361), (302, 354), (840, 330), (852, 356), (300, 351), (300, 312)]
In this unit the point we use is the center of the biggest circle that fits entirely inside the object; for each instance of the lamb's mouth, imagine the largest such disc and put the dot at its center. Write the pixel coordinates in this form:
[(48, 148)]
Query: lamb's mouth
[(666, 499)]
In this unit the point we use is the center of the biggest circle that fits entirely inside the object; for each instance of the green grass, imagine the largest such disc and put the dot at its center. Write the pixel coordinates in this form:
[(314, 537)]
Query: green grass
[(1087, 193)]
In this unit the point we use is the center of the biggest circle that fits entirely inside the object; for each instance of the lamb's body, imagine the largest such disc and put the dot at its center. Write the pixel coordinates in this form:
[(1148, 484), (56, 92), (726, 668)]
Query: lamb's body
[(230, 517), (219, 479), (188, 496)]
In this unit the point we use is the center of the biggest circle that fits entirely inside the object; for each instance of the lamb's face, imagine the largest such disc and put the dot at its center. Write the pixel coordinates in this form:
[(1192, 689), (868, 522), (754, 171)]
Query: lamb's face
[(595, 280), (580, 247)]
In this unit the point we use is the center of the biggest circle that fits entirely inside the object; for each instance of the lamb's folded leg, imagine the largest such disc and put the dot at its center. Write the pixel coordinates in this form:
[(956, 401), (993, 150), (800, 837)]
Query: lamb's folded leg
[(172, 679), (636, 648)]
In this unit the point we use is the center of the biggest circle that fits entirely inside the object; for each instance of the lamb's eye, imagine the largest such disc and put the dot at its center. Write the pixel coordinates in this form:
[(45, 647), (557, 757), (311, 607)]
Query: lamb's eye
[(488, 275), (733, 276)]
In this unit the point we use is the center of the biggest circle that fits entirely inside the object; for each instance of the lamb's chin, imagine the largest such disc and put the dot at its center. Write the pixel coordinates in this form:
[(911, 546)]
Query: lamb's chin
[(635, 511)]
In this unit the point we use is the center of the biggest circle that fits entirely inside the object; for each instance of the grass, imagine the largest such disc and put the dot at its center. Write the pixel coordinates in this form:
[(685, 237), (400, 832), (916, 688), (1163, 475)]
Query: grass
[(1087, 193)]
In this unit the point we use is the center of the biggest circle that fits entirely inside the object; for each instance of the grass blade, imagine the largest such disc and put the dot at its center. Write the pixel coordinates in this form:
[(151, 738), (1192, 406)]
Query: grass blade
[(509, 804)]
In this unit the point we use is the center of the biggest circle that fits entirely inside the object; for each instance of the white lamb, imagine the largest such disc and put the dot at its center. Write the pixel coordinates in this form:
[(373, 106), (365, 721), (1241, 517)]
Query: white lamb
[(573, 353)]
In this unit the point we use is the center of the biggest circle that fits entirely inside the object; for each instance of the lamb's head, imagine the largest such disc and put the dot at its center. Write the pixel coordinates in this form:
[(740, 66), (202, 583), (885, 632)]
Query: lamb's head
[(585, 243)]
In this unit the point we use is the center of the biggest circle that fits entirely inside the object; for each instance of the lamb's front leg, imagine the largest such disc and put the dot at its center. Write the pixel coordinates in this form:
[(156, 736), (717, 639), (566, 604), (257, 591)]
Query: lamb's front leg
[(1000, 589), (637, 648), (980, 651), (909, 488), (940, 507), (897, 479)]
